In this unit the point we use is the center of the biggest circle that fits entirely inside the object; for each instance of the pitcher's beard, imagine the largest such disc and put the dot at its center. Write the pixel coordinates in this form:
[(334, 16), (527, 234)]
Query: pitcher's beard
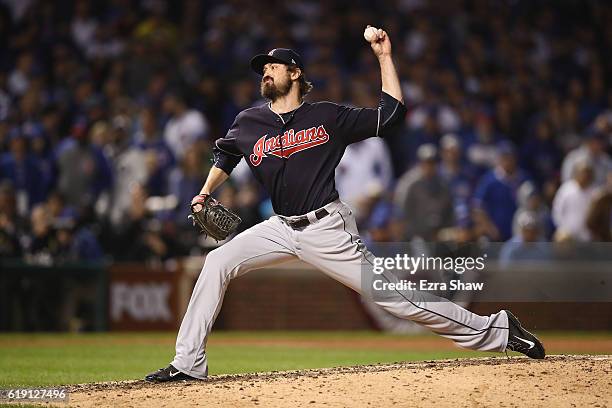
[(270, 91)]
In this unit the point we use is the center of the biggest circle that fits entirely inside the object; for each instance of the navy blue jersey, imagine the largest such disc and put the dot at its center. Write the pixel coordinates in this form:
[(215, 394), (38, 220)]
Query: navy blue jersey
[(295, 156)]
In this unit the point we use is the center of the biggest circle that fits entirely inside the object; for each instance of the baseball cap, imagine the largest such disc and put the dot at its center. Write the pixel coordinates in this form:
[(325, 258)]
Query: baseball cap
[(527, 219), (277, 55), (427, 152), (526, 191), (450, 141)]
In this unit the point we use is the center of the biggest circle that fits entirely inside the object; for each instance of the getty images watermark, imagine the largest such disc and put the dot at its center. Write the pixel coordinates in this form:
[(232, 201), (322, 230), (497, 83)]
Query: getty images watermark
[(488, 272), (404, 264)]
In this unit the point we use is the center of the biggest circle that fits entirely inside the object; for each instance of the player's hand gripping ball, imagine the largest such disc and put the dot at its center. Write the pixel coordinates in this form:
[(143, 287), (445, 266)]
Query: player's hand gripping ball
[(371, 34), (379, 41)]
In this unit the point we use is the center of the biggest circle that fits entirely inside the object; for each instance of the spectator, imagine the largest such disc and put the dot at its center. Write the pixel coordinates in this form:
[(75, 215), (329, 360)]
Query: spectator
[(381, 224), (593, 150), (57, 206), (101, 135), (83, 170), (481, 145), (184, 183), (531, 201), (529, 227), (364, 171), (42, 154), (41, 245), (84, 26), (572, 203), (240, 98), (457, 174), (566, 122), (19, 80), (185, 127), (525, 245), (424, 197), (141, 237), (75, 244), (22, 170), (428, 133), (540, 155), (599, 217), (10, 223), (158, 158), (156, 28), (496, 192), (129, 168), (5, 98)]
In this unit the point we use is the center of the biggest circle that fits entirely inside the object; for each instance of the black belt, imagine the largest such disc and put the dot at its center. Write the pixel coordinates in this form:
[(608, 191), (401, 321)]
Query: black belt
[(303, 221)]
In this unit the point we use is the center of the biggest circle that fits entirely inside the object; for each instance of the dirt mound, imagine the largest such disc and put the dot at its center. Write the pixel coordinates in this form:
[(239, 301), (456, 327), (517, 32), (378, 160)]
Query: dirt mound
[(556, 381)]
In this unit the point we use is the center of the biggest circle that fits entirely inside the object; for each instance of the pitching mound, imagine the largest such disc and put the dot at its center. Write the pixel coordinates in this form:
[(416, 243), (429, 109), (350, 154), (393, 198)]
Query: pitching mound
[(556, 381)]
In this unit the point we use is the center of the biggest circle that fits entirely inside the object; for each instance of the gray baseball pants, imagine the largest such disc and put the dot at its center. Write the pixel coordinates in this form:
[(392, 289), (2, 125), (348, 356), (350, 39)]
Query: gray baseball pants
[(331, 245)]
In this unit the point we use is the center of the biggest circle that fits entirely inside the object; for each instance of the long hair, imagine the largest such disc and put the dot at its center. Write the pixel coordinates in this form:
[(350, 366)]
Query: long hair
[(305, 85)]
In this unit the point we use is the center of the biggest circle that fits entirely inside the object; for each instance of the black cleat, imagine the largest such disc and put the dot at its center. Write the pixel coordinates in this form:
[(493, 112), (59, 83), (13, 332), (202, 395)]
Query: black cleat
[(522, 341), (168, 374)]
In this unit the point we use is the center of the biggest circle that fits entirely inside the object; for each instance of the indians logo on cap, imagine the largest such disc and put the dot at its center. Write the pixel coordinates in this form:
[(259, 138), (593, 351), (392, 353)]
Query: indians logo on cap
[(291, 142)]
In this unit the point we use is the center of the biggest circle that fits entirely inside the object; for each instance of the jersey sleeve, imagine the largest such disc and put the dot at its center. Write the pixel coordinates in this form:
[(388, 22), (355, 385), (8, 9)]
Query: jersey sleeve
[(356, 124), (226, 153)]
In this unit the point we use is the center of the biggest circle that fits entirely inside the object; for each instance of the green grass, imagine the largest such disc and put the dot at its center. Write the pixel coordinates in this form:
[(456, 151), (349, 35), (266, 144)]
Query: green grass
[(53, 359)]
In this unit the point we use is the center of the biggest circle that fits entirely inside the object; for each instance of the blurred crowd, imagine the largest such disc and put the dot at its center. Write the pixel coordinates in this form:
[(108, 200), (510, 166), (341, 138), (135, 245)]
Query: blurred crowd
[(108, 111)]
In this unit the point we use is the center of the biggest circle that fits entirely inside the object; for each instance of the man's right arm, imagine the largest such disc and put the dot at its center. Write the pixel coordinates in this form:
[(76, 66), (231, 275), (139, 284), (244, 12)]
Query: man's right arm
[(227, 156), (215, 178)]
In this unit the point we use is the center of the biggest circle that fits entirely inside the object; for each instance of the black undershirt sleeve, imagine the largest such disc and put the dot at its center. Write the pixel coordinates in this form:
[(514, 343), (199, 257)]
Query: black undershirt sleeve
[(226, 153), (392, 113)]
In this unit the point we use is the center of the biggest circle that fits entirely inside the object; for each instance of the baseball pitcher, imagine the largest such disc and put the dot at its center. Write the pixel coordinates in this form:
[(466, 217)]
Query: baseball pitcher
[(293, 148)]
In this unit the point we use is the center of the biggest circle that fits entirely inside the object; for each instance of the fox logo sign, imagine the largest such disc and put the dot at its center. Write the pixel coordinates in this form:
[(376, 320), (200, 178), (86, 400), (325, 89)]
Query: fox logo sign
[(288, 143)]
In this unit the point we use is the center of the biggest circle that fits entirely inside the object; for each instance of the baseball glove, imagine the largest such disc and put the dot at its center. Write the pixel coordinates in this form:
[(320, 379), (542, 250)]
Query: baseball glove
[(213, 219)]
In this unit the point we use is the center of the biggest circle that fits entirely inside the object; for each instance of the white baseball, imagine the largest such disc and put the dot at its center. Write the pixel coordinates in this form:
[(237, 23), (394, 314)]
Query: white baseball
[(370, 34)]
